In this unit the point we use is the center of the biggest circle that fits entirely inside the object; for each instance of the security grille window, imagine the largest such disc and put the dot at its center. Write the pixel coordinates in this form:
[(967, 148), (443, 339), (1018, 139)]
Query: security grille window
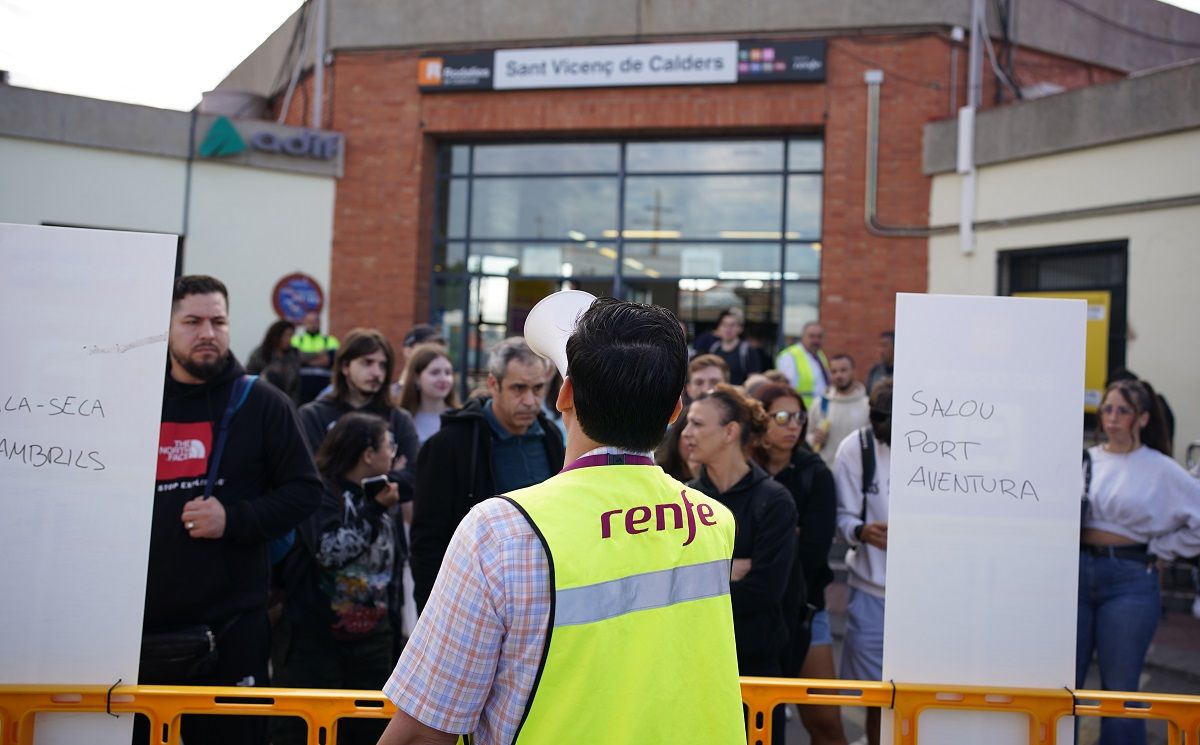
[(695, 226), (1080, 267)]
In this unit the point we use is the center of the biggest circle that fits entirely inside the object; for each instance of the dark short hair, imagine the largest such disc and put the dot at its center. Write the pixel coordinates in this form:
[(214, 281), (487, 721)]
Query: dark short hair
[(422, 333), (737, 315), (627, 363), (360, 343), (880, 396), (198, 284), (843, 356), (346, 441), (889, 335)]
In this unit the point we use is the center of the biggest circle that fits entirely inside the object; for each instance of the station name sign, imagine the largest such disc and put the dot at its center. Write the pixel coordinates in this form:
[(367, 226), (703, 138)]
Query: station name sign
[(699, 63)]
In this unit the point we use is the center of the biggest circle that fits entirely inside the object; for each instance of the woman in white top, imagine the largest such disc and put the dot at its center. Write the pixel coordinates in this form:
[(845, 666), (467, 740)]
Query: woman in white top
[(428, 389), (1139, 507)]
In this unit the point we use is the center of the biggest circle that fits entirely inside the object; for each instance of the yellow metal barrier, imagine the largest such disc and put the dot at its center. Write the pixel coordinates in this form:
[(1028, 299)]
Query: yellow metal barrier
[(321, 709)]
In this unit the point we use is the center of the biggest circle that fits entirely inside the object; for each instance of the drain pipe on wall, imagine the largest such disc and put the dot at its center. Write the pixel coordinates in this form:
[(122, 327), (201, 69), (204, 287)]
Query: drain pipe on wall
[(966, 131), (318, 100), (873, 79), (966, 152)]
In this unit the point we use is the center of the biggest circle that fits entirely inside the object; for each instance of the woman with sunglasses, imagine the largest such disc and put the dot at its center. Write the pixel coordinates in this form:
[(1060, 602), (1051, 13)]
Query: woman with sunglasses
[(340, 580), (783, 454), (723, 425), (1140, 507)]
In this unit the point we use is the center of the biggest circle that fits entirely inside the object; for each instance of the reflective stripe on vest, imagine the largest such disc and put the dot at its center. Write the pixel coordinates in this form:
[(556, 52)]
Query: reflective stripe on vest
[(640, 592), (640, 646), (805, 375)]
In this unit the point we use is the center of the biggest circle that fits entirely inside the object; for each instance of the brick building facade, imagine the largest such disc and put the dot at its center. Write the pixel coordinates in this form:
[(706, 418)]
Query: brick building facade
[(382, 255)]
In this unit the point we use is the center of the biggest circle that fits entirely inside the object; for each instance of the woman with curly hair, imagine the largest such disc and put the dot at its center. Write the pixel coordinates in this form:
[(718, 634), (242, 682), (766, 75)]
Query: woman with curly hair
[(723, 426)]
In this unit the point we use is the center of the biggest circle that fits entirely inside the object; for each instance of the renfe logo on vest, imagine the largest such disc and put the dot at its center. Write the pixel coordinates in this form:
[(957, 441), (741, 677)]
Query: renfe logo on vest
[(642, 514)]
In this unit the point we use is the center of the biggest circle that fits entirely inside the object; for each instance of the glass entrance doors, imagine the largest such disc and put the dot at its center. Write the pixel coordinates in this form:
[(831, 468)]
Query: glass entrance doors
[(693, 225)]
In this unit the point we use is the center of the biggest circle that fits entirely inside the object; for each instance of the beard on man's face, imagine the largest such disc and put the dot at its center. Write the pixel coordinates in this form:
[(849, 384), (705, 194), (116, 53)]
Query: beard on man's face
[(206, 371)]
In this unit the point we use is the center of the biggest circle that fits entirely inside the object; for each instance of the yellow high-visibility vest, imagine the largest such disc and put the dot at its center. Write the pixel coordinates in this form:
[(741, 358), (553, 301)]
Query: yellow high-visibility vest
[(805, 374), (640, 646), (314, 343)]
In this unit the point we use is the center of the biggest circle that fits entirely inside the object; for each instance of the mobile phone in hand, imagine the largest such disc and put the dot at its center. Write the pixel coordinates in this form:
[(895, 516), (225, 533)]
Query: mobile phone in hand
[(373, 485)]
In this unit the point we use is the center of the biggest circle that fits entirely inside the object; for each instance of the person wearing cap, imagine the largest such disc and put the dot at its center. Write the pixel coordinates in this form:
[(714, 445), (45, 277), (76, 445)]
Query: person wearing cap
[(593, 607)]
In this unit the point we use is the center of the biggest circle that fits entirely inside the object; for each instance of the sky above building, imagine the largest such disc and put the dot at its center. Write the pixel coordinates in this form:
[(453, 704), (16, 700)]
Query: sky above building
[(162, 53)]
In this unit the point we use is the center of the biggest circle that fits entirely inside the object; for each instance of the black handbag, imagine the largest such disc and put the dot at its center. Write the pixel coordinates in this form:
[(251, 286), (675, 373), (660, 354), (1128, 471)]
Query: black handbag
[(178, 655)]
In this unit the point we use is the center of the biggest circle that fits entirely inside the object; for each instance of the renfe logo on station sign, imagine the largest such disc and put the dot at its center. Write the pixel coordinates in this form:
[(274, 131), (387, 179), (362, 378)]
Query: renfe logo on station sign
[(616, 65)]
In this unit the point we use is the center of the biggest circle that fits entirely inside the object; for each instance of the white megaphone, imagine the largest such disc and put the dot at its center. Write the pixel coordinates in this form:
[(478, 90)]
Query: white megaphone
[(550, 323)]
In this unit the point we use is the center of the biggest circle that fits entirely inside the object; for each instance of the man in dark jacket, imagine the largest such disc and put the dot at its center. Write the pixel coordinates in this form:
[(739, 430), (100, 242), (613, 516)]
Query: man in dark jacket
[(208, 556), (491, 446)]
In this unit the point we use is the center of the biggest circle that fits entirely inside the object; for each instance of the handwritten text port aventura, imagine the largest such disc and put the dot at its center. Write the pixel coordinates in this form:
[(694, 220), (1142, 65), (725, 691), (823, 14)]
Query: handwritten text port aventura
[(39, 455), (951, 453), (608, 68)]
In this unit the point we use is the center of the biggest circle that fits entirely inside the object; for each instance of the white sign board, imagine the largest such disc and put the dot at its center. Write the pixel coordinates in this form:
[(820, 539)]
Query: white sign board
[(983, 528), (84, 340), (617, 65)]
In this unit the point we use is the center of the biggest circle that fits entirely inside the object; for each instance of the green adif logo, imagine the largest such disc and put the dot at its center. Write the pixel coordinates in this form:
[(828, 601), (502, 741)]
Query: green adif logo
[(222, 140)]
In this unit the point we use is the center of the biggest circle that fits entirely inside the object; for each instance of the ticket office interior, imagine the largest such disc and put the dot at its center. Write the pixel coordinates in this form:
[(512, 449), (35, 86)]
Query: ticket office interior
[(694, 225)]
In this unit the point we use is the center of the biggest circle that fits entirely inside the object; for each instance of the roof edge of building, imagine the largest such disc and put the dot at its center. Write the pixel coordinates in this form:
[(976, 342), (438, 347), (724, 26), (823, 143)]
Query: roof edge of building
[(1123, 35), (1147, 104), (47, 116)]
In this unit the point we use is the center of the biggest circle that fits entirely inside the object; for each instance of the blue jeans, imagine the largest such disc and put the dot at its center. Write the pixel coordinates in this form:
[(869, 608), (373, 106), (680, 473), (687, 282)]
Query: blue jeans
[(1119, 607)]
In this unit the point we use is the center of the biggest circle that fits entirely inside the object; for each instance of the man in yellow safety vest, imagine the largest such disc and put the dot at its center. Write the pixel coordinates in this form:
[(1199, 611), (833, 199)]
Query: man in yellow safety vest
[(805, 365), (593, 607)]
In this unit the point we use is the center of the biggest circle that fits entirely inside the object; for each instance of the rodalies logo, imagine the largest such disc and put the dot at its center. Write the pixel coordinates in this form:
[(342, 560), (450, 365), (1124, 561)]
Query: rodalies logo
[(430, 72)]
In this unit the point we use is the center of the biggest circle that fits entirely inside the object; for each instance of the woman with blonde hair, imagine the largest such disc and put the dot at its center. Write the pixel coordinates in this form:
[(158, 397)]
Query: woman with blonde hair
[(723, 426), (428, 389)]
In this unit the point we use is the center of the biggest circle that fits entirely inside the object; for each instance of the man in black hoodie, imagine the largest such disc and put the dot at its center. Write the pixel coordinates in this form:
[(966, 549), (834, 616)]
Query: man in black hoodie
[(208, 557), (490, 446)]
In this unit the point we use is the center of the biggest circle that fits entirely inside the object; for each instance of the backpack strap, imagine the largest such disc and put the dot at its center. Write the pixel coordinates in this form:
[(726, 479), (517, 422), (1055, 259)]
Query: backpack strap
[(237, 397), (866, 441)]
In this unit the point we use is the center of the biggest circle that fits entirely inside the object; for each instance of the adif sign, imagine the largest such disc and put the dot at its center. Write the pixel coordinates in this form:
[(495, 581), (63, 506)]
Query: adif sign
[(309, 144)]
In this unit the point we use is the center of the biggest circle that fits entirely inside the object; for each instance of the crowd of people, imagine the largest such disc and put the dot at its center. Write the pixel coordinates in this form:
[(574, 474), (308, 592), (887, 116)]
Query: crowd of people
[(303, 517)]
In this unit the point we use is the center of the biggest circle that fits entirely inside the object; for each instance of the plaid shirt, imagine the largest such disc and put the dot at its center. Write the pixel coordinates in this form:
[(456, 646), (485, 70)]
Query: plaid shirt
[(472, 659)]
